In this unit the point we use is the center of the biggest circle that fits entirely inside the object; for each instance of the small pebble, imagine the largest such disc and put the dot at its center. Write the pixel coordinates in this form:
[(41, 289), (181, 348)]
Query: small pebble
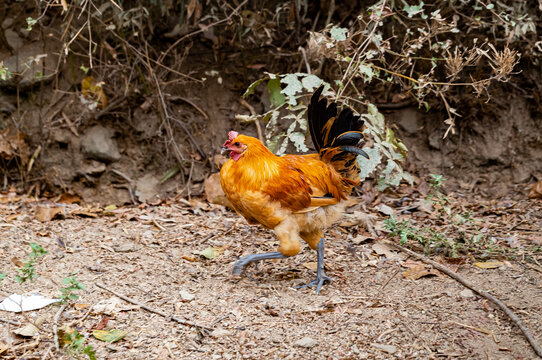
[(466, 294), (306, 342), (390, 349)]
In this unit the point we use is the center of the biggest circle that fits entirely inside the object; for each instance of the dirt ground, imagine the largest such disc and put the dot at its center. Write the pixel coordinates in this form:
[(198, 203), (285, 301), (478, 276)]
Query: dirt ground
[(371, 311)]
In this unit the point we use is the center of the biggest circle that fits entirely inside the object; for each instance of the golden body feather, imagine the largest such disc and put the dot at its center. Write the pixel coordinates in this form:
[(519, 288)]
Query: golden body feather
[(295, 195)]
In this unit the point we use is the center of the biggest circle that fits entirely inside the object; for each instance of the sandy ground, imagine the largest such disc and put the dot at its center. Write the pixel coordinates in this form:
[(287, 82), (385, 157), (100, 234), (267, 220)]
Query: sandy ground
[(151, 254)]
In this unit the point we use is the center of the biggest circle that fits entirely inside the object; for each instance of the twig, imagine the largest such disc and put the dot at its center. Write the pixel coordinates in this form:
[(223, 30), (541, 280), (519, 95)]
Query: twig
[(256, 120), (515, 319), (130, 187), (307, 65), (190, 102), (55, 326), (152, 310), (484, 331), (12, 322), (47, 353)]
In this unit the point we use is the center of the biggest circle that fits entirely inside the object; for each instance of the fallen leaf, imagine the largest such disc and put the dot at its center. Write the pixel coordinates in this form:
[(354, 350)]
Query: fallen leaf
[(67, 198), (102, 324), (46, 213), (409, 263), (489, 264), (30, 329), (383, 249), (27, 330), (17, 262), (385, 209), (211, 252), (311, 265), (419, 271), (189, 258), (111, 335), (3, 348), (536, 191)]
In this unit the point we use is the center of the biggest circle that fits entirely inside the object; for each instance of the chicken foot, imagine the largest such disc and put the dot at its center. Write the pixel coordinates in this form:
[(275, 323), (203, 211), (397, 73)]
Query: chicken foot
[(239, 266), (321, 277)]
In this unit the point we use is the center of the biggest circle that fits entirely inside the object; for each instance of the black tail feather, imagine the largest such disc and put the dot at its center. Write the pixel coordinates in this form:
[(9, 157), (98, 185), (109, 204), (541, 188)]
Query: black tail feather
[(327, 130), (338, 139)]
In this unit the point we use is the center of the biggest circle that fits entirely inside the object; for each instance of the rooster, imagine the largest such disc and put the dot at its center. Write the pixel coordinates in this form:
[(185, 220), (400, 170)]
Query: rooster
[(297, 196)]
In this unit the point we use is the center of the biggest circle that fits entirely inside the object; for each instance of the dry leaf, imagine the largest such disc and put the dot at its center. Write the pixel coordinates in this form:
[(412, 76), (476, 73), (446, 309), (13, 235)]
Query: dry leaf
[(311, 265), (67, 198), (419, 271), (383, 249), (17, 262), (3, 348), (27, 330), (46, 213), (536, 191), (111, 335), (489, 264)]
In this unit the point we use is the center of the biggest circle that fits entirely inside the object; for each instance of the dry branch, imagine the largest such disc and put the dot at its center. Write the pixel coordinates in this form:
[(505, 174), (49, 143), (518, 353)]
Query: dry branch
[(501, 305), (152, 310)]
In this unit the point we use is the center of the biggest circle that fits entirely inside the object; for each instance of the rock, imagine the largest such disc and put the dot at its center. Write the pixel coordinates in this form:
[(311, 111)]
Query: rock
[(92, 168), (185, 295), (306, 342), (467, 294), (13, 39), (31, 61), (125, 247), (390, 349), (214, 192), (98, 144), (147, 188), (217, 333), (409, 120), (385, 209)]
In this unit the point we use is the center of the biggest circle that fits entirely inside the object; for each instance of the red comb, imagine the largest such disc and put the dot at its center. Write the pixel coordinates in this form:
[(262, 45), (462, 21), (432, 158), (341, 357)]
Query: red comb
[(232, 135)]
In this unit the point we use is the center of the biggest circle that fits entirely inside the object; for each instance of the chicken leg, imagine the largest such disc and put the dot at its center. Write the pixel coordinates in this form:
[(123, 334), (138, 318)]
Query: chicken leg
[(321, 277), (239, 266)]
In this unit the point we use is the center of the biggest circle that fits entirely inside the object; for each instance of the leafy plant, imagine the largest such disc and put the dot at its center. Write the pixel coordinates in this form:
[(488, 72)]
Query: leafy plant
[(76, 345), (286, 91), (67, 293), (27, 271), (5, 74)]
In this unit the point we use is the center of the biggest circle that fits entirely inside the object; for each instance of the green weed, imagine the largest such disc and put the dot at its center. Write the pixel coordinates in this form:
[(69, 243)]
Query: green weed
[(27, 271)]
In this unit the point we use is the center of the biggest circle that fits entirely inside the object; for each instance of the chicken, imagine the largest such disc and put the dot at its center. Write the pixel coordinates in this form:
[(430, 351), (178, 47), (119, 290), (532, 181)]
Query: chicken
[(297, 196)]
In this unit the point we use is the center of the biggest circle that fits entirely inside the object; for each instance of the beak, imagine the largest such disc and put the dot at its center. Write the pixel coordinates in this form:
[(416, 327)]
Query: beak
[(225, 150)]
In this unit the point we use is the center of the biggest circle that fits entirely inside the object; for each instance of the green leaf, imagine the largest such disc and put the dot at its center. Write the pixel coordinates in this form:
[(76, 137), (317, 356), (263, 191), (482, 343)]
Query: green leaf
[(338, 33), (111, 335), (293, 86), (412, 10), (3, 276), (367, 166), (251, 87), (298, 138), (275, 93), (170, 173), (367, 71), (311, 82)]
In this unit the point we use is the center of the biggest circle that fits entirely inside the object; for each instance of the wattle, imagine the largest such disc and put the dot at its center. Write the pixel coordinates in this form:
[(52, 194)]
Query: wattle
[(235, 156)]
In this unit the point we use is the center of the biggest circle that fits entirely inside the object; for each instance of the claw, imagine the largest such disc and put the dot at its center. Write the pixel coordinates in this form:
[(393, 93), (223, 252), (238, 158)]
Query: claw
[(239, 267), (318, 282)]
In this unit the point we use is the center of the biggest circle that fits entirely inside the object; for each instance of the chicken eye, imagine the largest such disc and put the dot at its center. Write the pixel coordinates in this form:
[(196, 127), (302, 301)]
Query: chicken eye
[(237, 144)]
